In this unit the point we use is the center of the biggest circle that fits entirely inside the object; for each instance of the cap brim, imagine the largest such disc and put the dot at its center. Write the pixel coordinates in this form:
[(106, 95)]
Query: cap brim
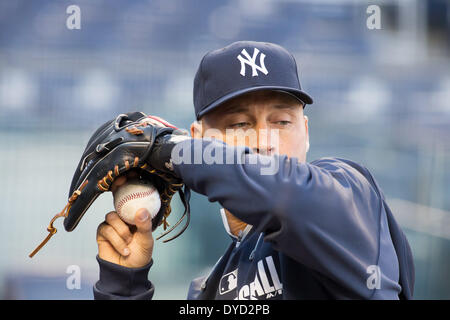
[(303, 96)]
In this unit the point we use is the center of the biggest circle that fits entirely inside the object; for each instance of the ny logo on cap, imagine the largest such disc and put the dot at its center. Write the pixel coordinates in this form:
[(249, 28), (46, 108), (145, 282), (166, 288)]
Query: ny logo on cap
[(251, 61)]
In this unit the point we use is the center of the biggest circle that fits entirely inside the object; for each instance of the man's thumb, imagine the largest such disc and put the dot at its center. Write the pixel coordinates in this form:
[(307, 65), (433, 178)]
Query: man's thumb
[(143, 223)]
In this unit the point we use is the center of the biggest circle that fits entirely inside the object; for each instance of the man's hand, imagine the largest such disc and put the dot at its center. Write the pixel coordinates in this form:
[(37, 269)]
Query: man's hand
[(119, 243)]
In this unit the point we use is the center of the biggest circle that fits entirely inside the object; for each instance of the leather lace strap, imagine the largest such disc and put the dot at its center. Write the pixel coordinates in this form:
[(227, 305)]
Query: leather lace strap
[(185, 198), (51, 229)]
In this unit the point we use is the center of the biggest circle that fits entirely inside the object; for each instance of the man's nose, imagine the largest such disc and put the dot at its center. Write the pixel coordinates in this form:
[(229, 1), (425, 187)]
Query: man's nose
[(264, 140), (266, 151)]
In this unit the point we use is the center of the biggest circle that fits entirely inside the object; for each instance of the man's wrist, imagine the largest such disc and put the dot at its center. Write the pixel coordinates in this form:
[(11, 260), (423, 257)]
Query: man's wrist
[(123, 281), (161, 155)]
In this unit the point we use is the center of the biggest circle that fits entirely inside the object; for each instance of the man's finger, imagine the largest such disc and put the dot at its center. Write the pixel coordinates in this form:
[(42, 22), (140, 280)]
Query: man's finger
[(143, 233), (118, 182), (121, 180), (113, 219), (108, 233), (132, 174)]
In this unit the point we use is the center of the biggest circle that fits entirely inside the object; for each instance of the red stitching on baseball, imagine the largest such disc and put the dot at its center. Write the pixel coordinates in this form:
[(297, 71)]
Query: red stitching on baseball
[(132, 196)]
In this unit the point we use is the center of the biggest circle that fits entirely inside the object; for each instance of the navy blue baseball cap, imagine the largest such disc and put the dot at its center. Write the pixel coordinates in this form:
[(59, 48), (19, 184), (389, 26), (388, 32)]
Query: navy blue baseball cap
[(242, 67)]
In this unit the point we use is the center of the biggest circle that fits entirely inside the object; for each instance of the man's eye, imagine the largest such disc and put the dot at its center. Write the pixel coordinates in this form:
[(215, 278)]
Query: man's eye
[(239, 125), (283, 122)]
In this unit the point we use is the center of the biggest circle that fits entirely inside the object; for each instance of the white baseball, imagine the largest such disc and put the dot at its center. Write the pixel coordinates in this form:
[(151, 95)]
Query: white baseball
[(134, 195)]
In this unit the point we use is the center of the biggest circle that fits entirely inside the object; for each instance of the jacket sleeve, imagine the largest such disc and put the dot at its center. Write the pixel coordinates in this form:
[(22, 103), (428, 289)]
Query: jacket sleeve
[(323, 214), (118, 282)]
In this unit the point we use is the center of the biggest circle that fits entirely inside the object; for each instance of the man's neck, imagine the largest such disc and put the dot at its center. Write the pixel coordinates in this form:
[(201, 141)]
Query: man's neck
[(236, 225)]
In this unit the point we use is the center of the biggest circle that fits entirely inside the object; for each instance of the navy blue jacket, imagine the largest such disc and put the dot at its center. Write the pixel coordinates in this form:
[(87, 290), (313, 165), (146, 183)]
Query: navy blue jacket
[(317, 230)]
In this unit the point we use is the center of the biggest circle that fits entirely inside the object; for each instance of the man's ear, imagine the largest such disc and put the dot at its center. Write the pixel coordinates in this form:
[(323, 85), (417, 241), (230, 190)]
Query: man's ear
[(197, 129)]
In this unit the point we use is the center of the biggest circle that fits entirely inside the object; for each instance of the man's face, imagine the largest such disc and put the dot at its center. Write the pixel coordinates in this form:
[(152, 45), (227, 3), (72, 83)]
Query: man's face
[(255, 120)]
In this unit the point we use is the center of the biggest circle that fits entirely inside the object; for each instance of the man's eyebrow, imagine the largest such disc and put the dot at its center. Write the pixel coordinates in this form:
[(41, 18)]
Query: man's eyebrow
[(238, 108), (235, 109), (286, 106)]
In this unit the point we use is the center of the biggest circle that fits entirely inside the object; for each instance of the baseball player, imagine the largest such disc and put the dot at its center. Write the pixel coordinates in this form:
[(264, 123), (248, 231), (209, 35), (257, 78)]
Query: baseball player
[(299, 230)]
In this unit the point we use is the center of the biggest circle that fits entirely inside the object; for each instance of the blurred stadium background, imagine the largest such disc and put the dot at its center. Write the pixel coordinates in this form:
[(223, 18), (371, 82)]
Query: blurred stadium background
[(382, 98)]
